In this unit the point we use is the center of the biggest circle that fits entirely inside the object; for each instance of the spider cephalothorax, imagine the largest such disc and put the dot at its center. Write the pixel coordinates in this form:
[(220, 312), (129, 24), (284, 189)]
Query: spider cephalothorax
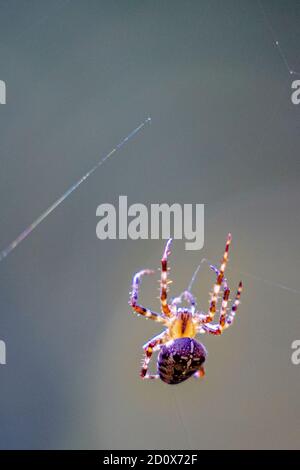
[(180, 355)]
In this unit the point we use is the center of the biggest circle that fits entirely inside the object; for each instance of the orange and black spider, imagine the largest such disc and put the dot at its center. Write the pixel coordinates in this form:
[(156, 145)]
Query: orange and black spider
[(180, 355)]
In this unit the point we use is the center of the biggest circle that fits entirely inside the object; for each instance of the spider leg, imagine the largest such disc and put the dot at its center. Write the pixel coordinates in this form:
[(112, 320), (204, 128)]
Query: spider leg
[(217, 271), (226, 294), (224, 321), (164, 280), (201, 318), (149, 348), (217, 286), (235, 305), (134, 298), (200, 373)]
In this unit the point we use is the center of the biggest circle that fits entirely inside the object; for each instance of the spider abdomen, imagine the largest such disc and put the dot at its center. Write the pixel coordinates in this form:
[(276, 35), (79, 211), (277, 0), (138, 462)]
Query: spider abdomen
[(180, 359)]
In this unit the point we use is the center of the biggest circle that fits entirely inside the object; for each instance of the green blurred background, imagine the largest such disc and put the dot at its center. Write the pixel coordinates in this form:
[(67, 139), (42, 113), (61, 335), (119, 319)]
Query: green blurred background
[(80, 75)]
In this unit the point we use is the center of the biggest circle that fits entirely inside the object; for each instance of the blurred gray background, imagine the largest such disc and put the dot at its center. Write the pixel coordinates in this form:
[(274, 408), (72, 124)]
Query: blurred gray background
[(80, 75)]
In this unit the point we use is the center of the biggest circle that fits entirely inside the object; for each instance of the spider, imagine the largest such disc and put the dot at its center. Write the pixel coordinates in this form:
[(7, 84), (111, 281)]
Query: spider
[(180, 355)]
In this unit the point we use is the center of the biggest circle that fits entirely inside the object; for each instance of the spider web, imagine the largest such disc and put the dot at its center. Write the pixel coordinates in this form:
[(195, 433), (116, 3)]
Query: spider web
[(27, 231), (276, 42), (244, 273)]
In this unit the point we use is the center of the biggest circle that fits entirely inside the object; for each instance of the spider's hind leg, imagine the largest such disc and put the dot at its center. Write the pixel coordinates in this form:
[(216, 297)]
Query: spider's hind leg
[(149, 348), (200, 373)]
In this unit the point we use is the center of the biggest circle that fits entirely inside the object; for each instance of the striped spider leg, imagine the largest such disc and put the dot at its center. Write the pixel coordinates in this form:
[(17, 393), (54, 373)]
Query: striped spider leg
[(149, 348), (146, 312), (225, 320), (217, 286), (164, 280), (155, 342)]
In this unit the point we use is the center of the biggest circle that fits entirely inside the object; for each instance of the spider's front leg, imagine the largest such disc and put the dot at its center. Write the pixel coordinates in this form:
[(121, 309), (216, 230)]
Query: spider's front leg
[(134, 298), (149, 349), (164, 280)]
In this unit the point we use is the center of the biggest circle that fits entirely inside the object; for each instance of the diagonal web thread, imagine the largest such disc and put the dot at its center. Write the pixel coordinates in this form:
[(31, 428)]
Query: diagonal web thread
[(276, 42), (4, 253)]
